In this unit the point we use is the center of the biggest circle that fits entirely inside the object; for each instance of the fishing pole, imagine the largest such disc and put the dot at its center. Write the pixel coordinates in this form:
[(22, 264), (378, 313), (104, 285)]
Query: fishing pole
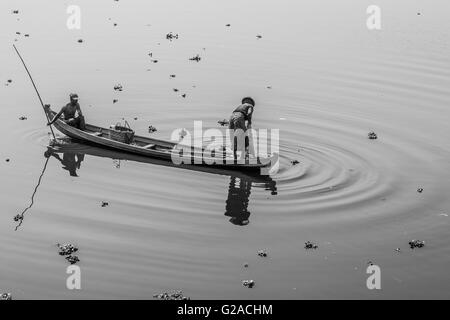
[(34, 85)]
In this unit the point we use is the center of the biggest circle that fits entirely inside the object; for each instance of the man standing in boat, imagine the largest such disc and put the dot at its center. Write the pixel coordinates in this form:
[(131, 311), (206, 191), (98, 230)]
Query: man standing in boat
[(69, 111), (238, 127)]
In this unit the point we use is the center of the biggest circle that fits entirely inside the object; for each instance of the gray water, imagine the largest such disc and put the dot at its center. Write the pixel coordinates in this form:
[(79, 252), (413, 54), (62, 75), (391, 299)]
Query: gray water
[(332, 81)]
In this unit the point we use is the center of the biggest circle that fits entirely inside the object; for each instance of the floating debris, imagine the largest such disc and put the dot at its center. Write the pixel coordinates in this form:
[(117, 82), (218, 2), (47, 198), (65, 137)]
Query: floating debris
[(398, 250), (18, 32), (196, 58), (118, 87), (295, 162), (154, 61), (416, 244), (135, 118), (228, 25), (115, 24), (223, 122), (420, 190), (310, 245), (15, 11), (246, 265), (9, 81), (258, 36), (369, 263), (248, 283), (184, 95), (26, 35), (175, 90), (372, 135), (115, 101), (170, 36), (174, 295), (6, 296), (269, 87), (18, 218), (104, 204), (66, 249), (7, 160), (152, 129), (72, 259), (172, 75), (22, 118), (80, 40), (262, 253)]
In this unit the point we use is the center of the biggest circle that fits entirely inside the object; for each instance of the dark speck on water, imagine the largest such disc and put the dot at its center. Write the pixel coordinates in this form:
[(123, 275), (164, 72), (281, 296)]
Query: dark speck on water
[(310, 245), (104, 204), (420, 190), (5, 296), (115, 101), (72, 259), (23, 118), (416, 244), (80, 40), (174, 295), (248, 283), (372, 135), (262, 253), (295, 162), (66, 249), (170, 36), (196, 58), (151, 129)]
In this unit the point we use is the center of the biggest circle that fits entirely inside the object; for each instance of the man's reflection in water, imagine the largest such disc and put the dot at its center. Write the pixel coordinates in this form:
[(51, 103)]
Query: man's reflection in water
[(239, 194), (70, 161)]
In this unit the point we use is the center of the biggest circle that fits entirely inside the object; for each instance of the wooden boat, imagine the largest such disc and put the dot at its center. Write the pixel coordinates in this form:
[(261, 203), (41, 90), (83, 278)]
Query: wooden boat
[(152, 148)]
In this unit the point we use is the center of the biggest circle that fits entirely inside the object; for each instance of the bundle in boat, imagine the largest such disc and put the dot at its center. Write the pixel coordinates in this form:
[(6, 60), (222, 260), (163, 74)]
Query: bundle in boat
[(122, 133)]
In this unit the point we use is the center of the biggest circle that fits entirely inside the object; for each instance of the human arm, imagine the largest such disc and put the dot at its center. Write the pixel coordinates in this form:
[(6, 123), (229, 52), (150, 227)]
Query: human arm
[(56, 117), (249, 117), (79, 110)]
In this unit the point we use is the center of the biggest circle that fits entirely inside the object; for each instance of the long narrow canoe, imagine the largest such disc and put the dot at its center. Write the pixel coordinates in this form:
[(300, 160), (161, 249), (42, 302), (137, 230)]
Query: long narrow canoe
[(149, 147)]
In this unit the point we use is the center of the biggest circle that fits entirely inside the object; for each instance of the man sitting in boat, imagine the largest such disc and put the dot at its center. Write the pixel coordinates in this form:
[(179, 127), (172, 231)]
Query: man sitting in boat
[(69, 111), (238, 118)]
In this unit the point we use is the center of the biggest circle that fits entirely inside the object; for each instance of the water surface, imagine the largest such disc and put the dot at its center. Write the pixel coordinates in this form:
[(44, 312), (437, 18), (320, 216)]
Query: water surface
[(331, 82)]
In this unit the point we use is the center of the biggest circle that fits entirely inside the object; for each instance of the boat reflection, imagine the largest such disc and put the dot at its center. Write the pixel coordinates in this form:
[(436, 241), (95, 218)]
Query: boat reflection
[(239, 189)]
